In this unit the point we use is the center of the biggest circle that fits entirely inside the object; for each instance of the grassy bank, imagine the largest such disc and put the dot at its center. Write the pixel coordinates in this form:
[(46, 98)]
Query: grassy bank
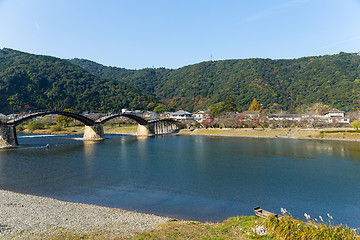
[(329, 134), (232, 228), (252, 227), (245, 227)]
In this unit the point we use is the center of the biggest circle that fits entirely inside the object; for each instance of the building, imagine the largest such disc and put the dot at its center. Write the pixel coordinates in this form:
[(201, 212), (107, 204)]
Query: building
[(332, 116), (150, 115), (181, 115), (251, 114), (335, 115), (200, 116), (286, 117)]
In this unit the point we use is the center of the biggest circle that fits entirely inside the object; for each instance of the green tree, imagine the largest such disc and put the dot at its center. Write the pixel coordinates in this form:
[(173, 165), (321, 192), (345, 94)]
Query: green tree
[(229, 103), (14, 102), (255, 106), (161, 108), (355, 124), (64, 120), (33, 125), (217, 108)]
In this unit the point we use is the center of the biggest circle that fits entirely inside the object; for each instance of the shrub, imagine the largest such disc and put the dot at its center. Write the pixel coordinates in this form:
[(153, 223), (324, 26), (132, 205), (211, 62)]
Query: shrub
[(287, 227), (35, 125), (55, 128), (355, 124)]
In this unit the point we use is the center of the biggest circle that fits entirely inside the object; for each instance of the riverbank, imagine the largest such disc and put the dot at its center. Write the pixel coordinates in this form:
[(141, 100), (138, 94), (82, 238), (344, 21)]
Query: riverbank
[(295, 133), (32, 217), (311, 134)]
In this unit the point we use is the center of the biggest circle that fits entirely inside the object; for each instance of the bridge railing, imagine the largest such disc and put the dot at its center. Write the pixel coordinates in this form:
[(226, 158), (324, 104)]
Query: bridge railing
[(15, 117)]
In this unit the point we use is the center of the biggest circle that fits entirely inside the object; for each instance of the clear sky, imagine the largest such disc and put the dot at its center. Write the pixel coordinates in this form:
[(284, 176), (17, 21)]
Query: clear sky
[(169, 33)]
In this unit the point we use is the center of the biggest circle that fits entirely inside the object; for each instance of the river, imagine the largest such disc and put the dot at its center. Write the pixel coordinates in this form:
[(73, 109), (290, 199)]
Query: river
[(191, 177)]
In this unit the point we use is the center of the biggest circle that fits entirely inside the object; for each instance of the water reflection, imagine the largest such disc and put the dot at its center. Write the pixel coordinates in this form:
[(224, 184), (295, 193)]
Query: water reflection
[(89, 156)]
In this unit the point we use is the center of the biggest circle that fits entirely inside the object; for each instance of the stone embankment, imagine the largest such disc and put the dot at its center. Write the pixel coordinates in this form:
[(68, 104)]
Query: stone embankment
[(32, 217)]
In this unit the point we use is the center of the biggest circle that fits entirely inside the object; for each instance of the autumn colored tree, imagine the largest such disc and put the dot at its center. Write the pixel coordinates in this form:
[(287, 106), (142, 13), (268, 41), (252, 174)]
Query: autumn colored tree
[(255, 106), (150, 106)]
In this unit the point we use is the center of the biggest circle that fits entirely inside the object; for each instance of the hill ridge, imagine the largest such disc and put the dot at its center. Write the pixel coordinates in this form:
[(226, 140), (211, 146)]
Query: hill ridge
[(45, 82), (329, 79)]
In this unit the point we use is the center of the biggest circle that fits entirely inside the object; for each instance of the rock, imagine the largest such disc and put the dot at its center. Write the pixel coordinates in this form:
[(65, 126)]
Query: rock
[(259, 230)]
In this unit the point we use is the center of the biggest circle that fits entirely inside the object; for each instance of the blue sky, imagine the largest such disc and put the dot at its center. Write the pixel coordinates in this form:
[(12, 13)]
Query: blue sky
[(166, 33)]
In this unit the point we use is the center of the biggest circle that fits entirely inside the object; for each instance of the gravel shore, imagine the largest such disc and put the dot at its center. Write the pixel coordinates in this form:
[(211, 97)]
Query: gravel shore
[(32, 217)]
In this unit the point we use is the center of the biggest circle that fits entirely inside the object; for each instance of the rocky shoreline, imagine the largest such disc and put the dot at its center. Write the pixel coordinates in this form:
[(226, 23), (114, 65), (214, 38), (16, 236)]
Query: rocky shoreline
[(32, 217)]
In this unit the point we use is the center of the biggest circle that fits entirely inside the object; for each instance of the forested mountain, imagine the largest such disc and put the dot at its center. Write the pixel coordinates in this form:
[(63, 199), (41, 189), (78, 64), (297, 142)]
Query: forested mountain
[(44, 82), (48, 82), (329, 79)]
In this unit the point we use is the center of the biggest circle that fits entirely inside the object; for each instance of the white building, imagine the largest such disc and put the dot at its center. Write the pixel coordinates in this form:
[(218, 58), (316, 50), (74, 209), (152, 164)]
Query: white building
[(150, 115), (335, 115), (181, 115), (332, 116), (288, 117), (251, 114), (125, 111), (199, 116)]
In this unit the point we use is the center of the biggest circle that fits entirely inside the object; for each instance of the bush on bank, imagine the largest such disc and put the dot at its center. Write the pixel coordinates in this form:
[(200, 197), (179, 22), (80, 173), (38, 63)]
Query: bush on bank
[(55, 128), (34, 125), (287, 227)]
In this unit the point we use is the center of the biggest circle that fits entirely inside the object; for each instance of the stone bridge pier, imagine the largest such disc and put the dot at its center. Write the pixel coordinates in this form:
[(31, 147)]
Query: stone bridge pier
[(7, 136), (94, 132), (157, 128)]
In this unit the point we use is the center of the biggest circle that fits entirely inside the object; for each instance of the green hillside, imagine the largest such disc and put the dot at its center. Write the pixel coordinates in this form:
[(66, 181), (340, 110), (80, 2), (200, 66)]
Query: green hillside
[(45, 82), (331, 79)]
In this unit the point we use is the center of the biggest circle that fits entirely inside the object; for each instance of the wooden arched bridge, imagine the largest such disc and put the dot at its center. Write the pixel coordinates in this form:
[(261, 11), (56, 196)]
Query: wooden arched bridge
[(93, 128)]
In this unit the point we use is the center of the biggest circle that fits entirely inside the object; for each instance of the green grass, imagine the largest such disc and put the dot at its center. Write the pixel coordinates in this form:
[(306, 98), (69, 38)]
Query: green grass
[(285, 228), (340, 131), (232, 228)]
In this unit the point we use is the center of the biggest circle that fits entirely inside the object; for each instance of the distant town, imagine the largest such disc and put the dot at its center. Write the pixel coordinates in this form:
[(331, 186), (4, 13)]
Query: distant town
[(333, 117)]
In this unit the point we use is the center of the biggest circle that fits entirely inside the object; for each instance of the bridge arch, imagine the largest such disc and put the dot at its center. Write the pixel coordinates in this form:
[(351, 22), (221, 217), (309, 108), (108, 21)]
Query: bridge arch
[(138, 119), (83, 119)]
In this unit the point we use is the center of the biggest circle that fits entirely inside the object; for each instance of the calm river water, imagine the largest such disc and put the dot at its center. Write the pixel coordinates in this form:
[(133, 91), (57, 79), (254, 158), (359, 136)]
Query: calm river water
[(191, 177)]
